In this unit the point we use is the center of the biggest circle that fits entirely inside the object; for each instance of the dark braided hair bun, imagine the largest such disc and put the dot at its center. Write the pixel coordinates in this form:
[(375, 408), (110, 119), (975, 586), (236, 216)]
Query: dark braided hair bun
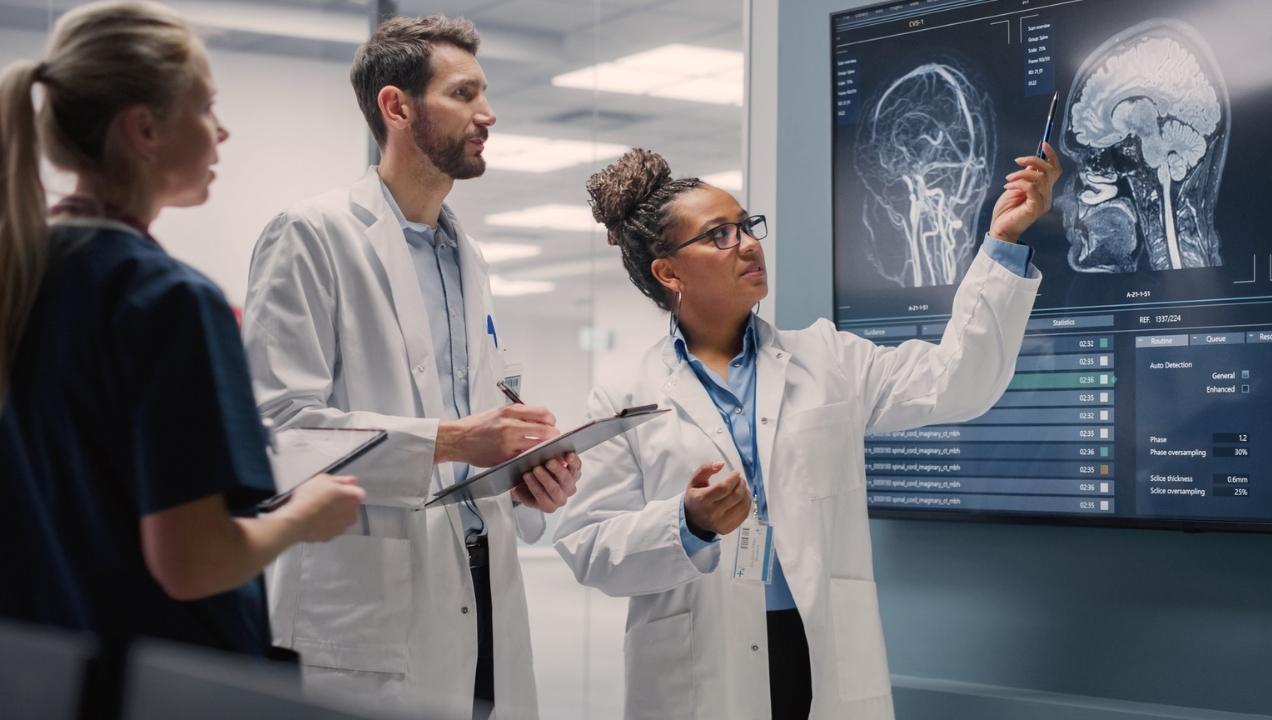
[(620, 188), (633, 198)]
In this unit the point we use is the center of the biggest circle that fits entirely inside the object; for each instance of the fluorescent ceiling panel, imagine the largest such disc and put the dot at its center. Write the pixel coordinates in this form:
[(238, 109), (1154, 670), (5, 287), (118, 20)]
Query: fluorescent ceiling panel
[(612, 77), (530, 153), (680, 58), (496, 252), (703, 89), (270, 19), (502, 287), (569, 268), (681, 72), (576, 218)]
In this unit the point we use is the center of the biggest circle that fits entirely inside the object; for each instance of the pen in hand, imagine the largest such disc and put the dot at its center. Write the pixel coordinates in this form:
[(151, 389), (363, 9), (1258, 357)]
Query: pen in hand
[(509, 392)]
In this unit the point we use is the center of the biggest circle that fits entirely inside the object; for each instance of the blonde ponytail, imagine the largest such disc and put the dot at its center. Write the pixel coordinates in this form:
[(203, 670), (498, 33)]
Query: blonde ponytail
[(103, 57), (23, 236)]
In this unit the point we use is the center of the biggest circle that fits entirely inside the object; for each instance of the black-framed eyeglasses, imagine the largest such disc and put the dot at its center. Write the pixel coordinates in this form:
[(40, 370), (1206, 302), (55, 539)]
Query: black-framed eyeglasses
[(728, 235)]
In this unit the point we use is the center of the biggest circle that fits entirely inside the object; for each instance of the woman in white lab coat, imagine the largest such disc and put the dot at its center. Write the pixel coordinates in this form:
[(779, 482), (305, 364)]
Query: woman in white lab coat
[(778, 418)]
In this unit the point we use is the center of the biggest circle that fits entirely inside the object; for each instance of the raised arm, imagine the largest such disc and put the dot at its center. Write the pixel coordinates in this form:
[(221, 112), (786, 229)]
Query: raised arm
[(918, 383)]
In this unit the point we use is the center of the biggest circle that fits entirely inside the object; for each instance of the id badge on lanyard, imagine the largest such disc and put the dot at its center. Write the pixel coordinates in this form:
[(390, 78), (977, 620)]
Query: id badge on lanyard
[(754, 559)]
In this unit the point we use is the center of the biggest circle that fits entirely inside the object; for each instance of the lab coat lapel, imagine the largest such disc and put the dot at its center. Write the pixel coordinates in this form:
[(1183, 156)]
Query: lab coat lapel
[(483, 394), (685, 391), (389, 243), (770, 378), (385, 237), (484, 366)]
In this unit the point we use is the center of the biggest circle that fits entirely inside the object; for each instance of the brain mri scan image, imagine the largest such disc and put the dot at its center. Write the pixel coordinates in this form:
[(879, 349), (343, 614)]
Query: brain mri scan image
[(1145, 135), (924, 154)]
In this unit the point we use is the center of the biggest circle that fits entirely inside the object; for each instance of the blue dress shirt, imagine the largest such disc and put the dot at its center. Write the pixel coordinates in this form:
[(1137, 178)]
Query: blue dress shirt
[(1013, 256), (435, 254), (735, 400)]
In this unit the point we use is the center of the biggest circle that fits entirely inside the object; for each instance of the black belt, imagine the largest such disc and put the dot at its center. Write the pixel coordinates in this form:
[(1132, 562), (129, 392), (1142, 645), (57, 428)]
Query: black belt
[(478, 551)]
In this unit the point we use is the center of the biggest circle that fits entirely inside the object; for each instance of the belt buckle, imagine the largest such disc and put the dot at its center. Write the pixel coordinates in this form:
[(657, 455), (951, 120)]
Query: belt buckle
[(478, 551)]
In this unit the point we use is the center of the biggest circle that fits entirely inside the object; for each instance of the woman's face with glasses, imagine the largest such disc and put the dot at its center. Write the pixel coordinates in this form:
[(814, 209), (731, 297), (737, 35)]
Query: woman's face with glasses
[(711, 253)]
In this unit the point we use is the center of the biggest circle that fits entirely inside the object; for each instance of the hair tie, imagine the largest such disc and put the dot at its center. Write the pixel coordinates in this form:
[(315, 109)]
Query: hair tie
[(41, 68)]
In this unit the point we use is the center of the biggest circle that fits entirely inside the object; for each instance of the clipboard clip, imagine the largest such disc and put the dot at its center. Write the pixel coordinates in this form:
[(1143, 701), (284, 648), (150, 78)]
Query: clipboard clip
[(271, 430), (637, 410)]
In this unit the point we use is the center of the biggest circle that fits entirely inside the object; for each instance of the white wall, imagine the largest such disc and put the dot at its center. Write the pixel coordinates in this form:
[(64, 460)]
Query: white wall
[(295, 131), (19, 44), (636, 323)]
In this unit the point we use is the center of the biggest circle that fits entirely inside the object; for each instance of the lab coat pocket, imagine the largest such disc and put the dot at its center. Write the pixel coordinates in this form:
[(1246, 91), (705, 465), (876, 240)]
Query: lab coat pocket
[(660, 669), (354, 607), (818, 437), (859, 645)]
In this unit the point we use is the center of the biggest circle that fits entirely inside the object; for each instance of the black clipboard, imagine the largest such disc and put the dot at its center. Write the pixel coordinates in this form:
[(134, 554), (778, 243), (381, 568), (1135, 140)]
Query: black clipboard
[(298, 454), (507, 475)]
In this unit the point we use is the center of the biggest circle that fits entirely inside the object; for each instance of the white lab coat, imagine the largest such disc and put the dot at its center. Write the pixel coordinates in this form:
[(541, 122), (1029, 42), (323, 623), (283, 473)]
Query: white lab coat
[(337, 336), (696, 644)]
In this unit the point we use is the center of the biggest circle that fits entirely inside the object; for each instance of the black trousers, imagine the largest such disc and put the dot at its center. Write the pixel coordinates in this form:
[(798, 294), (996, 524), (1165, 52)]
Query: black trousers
[(484, 687), (790, 676)]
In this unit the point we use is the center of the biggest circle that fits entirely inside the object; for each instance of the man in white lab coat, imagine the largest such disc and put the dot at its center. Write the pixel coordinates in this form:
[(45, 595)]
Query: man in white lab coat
[(370, 307)]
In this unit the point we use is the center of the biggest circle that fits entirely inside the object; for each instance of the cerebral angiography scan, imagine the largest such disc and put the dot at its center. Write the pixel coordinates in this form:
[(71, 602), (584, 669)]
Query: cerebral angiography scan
[(1146, 134), (923, 153)]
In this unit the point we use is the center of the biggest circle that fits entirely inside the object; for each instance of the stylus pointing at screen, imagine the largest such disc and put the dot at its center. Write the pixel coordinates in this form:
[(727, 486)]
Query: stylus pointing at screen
[(1051, 119)]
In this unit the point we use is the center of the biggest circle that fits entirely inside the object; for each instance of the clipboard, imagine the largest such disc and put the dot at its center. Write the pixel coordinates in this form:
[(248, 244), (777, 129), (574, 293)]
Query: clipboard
[(507, 475), (297, 454)]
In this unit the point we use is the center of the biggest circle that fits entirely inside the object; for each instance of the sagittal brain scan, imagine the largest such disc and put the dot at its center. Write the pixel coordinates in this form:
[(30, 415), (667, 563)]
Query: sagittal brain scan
[(923, 154), (1147, 132), (1141, 390)]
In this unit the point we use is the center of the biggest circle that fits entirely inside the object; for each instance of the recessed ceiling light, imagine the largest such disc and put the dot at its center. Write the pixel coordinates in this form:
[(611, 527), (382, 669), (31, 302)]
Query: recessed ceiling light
[(682, 72), (495, 252), (530, 153), (678, 57), (547, 217), (267, 19), (556, 271), (511, 288), (730, 180)]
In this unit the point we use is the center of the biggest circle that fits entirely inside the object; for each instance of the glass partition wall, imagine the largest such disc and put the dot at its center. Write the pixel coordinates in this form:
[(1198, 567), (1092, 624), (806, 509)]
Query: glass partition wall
[(574, 83)]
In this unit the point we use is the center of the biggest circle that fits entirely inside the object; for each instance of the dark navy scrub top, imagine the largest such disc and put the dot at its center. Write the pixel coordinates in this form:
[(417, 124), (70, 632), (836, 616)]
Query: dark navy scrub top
[(130, 395)]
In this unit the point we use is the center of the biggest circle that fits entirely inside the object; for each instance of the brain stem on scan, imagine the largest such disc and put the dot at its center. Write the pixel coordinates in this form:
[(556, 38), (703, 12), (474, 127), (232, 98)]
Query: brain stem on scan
[(1147, 118)]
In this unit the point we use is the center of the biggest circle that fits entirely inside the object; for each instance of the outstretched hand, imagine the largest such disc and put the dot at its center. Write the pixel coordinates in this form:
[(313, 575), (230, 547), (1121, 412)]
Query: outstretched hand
[(1026, 196), (718, 508)]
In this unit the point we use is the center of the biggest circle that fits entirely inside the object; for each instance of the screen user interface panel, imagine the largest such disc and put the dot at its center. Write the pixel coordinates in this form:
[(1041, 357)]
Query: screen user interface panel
[(1143, 392)]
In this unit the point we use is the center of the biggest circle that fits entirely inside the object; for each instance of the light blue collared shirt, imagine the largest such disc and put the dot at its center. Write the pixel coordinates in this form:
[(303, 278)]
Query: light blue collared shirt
[(435, 254), (1013, 256), (735, 401)]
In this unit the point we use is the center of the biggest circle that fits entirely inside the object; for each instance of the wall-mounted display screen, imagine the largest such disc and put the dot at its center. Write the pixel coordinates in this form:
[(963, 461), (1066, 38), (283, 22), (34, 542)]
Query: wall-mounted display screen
[(1143, 392)]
